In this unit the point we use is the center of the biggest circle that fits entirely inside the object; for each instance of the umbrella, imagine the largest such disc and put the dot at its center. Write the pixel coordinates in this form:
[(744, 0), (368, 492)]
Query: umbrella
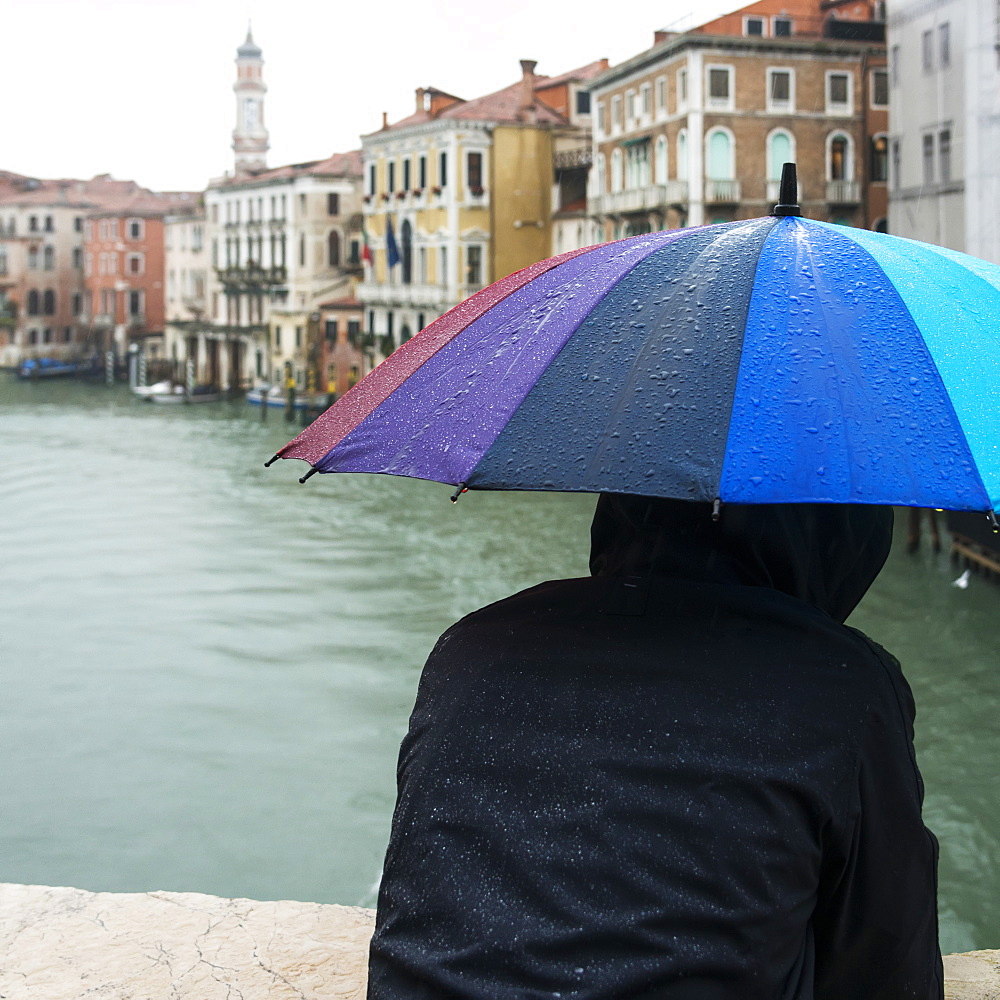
[(776, 360)]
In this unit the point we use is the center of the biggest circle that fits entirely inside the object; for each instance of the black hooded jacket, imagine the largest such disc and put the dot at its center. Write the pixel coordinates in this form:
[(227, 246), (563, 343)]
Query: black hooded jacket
[(681, 778)]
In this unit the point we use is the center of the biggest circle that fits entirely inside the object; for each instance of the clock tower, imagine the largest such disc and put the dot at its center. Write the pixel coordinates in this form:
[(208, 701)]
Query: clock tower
[(249, 137)]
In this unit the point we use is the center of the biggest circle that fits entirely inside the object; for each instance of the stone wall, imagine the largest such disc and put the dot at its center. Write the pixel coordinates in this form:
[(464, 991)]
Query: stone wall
[(67, 944)]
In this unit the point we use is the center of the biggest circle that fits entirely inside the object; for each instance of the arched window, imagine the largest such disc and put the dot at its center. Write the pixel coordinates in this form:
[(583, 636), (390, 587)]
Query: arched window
[(406, 250), (780, 150), (616, 170), (839, 161), (600, 181), (33, 309), (333, 248), (49, 258), (661, 160), (405, 333), (720, 155), (49, 302), (880, 158), (682, 155)]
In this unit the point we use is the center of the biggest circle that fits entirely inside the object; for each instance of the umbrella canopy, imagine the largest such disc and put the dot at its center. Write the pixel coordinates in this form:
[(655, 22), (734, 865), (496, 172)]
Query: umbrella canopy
[(776, 360)]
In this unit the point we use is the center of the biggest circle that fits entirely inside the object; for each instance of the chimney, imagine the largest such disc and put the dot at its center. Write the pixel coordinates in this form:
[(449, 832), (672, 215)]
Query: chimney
[(526, 105), (385, 119), (420, 99)]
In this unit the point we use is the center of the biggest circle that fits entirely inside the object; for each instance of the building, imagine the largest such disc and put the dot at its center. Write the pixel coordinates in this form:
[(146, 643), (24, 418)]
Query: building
[(695, 130), (186, 264), (43, 302), (460, 193), (945, 141), (124, 270), (275, 244)]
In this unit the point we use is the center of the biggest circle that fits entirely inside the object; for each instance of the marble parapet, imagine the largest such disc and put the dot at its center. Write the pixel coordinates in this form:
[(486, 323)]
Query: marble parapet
[(69, 944)]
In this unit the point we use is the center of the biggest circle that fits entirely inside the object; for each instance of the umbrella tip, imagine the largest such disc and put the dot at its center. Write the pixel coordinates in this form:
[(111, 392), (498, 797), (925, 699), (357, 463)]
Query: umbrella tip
[(788, 192), (462, 488), (311, 472), (271, 461)]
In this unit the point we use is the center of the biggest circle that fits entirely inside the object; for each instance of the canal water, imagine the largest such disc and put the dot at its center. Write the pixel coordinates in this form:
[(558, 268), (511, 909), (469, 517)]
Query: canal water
[(207, 667)]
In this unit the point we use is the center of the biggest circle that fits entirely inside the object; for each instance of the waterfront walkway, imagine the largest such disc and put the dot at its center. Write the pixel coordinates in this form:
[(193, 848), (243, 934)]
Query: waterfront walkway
[(68, 944)]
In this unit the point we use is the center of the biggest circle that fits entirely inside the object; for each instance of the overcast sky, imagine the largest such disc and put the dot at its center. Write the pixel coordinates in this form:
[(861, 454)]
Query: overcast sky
[(142, 89)]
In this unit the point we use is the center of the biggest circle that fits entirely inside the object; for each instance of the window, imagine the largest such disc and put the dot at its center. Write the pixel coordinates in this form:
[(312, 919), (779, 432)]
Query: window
[(616, 170), (896, 163), (67, 334), (422, 265), (661, 160), (443, 266), (838, 93), (839, 165), (371, 178), (880, 88), (33, 223), (944, 44), (647, 100), (781, 27), (474, 172), (600, 179), (298, 336), (406, 175), (333, 248), (682, 88), (88, 231), (927, 50), (720, 165), (196, 238), (406, 252), (602, 120), (928, 158), (422, 172), (330, 332), (77, 304), (753, 26), (443, 170), (779, 90), (333, 203), (88, 265), (779, 152), (48, 224), (616, 113), (880, 159), (134, 263), (583, 102), (720, 86), (894, 65), (392, 176), (32, 258), (135, 303), (682, 155), (49, 302), (33, 308), (629, 107), (78, 224), (302, 248), (49, 259), (944, 155), (112, 263), (134, 228), (355, 252), (661, 94), (473, 266), (113, 227)]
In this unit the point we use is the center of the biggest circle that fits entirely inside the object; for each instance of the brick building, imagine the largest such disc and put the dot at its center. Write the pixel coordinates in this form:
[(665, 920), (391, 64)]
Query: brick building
[(695, 129)]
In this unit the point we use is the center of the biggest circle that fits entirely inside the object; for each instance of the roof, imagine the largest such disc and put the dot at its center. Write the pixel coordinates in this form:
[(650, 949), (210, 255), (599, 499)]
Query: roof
[(337, 165), (249, 49), (505, 105), (102, 192), (347, 302)]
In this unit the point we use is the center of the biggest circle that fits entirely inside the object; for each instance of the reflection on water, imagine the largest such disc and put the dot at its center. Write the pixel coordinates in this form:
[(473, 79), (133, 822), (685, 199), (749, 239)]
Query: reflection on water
[(207, 667)]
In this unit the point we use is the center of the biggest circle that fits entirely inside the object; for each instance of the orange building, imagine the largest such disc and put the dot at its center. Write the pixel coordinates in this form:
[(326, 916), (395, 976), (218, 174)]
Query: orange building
[(124, 274)]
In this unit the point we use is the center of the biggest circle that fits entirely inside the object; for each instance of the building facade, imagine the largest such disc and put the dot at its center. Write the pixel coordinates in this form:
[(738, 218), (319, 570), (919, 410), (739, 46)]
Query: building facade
[(461, 193), (695, 130), (945, 142), (186, 263)]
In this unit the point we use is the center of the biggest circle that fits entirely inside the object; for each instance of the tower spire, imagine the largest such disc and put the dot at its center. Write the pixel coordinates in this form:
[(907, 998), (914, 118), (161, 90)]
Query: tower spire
[(250, 140)]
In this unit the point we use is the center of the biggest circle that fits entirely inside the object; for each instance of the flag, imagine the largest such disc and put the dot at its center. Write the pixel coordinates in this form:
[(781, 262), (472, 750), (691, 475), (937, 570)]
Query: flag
[(366, 250), (391, 253)]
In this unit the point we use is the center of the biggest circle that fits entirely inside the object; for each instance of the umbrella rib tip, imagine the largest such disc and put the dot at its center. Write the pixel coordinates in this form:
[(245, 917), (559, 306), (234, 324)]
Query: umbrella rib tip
[(271, 461), (461, 488), (310, 473)]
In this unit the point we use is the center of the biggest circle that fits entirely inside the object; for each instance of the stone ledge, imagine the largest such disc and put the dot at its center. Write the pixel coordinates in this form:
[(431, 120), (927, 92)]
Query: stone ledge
[(68, 944)]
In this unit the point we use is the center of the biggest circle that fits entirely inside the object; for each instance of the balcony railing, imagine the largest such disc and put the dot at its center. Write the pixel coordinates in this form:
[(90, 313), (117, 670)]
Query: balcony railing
[(722, 192), (402, 295), (641, 199), (843, 192), (251, 277)]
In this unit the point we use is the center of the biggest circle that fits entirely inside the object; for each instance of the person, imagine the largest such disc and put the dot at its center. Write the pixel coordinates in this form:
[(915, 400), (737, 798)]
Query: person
[(683, 777)]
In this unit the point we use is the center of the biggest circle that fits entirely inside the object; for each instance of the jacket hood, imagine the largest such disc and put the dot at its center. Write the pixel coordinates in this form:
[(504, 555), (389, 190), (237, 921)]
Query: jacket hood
[(825, 554)]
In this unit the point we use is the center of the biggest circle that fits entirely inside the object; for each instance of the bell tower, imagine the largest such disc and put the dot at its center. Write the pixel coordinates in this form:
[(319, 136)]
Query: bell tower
[(249, 137)]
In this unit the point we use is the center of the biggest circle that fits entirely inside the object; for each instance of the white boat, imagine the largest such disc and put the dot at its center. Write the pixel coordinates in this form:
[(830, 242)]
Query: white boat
[(277, 397), (156, 389), (178, 394)]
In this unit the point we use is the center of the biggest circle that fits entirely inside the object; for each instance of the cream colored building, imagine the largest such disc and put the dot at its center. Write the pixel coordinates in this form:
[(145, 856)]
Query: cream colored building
[(470, 191)]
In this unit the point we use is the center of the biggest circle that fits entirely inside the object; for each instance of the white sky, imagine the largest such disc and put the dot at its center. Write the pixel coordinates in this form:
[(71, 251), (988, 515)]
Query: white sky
[(142, 89)]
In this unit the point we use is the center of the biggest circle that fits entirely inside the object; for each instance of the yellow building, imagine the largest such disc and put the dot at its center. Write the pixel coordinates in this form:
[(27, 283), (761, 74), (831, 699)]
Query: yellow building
[(461, 193)]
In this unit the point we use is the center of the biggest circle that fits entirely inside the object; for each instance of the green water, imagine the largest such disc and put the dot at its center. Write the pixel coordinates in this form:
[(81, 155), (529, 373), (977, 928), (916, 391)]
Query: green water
[(207, 667)]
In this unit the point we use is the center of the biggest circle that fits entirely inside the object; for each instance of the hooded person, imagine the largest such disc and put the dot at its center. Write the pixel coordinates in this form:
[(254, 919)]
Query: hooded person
[(683, 777)]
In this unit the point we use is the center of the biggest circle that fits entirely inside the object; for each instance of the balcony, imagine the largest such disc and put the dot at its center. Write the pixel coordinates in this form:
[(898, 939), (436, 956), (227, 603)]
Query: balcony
[(251, 278), (722, 192), (843, 193), (370, 292), (640, 199), (104, 319)]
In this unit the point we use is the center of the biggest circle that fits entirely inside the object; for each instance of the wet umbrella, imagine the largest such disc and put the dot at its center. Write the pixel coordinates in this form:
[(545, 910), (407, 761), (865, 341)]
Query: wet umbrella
[(763, 361)]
